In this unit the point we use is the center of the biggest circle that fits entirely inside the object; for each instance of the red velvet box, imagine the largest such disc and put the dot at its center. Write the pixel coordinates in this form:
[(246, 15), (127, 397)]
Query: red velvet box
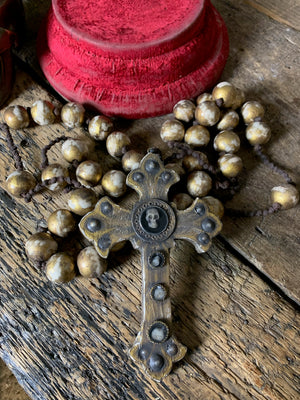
[(132, 58)]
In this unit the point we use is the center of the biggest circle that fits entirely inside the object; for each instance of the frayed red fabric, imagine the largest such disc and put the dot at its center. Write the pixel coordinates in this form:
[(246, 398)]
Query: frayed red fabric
[(132, 59)]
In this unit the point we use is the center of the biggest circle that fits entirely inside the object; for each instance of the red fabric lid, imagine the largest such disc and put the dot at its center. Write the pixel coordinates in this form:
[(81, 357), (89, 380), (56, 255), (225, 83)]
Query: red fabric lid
[(132, 59)]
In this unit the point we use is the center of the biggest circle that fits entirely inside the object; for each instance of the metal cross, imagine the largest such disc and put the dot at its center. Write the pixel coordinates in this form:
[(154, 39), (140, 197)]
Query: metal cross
[(152, 226)]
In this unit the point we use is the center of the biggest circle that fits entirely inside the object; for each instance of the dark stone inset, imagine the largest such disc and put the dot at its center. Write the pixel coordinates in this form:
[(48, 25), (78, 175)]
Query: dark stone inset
[(157, 260), (151, 166), (154, 220), (143, 353), (172, 349), (208, 225), (106, 208), (156, 362), (203, 238), (158, 332), (138, 177), (159, 292), (93, 224), (200, 209), (166, 176), (104, 242)]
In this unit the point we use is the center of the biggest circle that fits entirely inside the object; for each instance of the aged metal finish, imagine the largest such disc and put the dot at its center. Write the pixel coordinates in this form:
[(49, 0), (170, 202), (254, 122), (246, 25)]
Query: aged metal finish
[(152, 227)]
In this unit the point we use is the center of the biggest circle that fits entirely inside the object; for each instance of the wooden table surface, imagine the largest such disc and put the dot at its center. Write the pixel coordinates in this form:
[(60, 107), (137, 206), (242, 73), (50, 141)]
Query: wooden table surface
[(235, 307)]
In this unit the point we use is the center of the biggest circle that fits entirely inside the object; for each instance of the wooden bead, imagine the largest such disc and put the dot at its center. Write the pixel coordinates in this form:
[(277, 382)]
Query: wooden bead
[(199, 183), (258, 133), (230, 165), (172, 130), (184, 110), (239, 99), (60, 268), (204, 97), (40, 247), (55, 171), (214, 206), (207, 113), (252, 110), (114, 183), (19, 182), (100, 127), (61, 223), (72, 115), (182, 200), (131, 160), (82, 201), (286, 195), (191, 163), (76, 149), (227, 141), (16, 117), (90, 264), (177, 167), (197, 136), (117, 143), (42, 112), (89, 173), (225, 91), (229, 121)]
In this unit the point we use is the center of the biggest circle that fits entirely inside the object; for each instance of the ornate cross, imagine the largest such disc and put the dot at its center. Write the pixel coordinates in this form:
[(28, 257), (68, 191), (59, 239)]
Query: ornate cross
[(152, 226)]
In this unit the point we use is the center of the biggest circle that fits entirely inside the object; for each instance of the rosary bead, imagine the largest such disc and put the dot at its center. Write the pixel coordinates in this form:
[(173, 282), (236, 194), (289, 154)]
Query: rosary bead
[(214, 206), (230, 120), (239, 99), (114, 183), (90, 264), (16, 117), (197, 136), (76, 149), (230, 165), (172, 130), (204, 97), (177, 167), (116, 144), (182, 200), (192, 163), (131, 160), (199, 183), (286, 195), (252, 110), (100, 127), (61, 223), (40, 247), (55, 171), (184, 110), (225, 91), (60, 268), (42, 112), (89, 173), (227, 141), (72, 115), (19, 182), (207, 113), (258, 133), (82, 201)]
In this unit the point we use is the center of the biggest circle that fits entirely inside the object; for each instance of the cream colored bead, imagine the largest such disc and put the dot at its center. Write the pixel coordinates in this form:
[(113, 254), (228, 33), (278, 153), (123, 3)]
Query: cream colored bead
[(177, 167), (19, 182), (225, 91), (40, 247), (172, 130), (207, 113), (184, 110), (116, 144), (227, 141), (82, 201), (90, 264), (230, 120), (204, 97), (55, 171), (286, 195), (230, 165), (72, 115), (61, 223), (89, 173), (114, 183), (214, 206), (199, 183), (16, 117), (76, 149), (100, 127), (258, 133), (252, 110), (191, 163), (197, 136), (131, 160), (239, 100), (42, 112), (182, 201), (60, 268)]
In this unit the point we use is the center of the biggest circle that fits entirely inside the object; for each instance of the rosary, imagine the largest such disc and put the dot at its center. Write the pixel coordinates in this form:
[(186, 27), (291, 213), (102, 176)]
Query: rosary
[(181, 196)]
